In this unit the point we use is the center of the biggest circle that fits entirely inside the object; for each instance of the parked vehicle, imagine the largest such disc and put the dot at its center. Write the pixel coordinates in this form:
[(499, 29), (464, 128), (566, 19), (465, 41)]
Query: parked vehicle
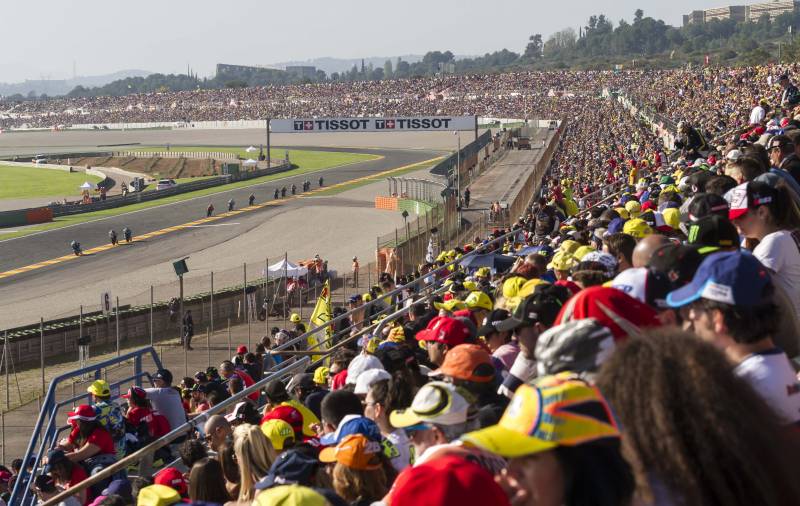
[(165, 184)]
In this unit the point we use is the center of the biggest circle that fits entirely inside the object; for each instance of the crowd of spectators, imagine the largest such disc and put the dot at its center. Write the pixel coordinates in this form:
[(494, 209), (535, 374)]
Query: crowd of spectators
[(629, 340)]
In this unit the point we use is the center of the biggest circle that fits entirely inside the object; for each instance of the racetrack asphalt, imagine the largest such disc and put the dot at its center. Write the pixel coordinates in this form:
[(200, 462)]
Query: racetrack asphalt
[(48, 245)]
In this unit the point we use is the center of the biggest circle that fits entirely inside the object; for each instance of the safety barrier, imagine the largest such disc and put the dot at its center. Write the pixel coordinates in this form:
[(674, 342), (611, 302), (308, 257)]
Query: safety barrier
[(216, 155)]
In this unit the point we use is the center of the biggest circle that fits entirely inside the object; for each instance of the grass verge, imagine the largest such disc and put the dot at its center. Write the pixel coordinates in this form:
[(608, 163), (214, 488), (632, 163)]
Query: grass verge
[(29, 182)]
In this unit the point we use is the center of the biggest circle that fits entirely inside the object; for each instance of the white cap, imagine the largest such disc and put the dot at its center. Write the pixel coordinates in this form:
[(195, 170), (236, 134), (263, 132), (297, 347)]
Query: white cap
[(632, 281), (733, 155), (360, 364), (436, 402), (367, 378)]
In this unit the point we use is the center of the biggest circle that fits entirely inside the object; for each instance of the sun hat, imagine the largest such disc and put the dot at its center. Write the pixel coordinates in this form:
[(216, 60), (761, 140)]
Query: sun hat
[(467, 362), (560, 410), (278, 432), (435, 402), (730, 277), (354, 451)]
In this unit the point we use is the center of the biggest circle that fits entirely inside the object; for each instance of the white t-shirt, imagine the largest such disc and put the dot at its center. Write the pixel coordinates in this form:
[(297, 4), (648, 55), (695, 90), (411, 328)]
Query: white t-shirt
[(399, 439), (780, 254), (757, 114), (772, 377), (167, 401)]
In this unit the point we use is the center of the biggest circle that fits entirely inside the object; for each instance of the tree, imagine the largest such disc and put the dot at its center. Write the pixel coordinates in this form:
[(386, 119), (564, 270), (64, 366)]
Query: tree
[(638, 15), (533, 51), (387, 69)]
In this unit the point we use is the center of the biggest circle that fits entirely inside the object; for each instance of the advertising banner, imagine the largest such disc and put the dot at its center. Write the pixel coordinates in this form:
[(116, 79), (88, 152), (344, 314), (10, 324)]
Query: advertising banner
[(396, 124)]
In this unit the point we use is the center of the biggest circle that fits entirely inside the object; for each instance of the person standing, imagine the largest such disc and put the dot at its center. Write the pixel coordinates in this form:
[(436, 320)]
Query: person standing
[(188, 330), (112, 236), (251, 199), (231, 204), (356, 268), (209, 210)]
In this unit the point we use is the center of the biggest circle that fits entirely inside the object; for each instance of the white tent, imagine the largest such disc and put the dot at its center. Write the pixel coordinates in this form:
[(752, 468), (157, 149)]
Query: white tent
[(250, 162), (286, 268), (251, 149), (87, 186)]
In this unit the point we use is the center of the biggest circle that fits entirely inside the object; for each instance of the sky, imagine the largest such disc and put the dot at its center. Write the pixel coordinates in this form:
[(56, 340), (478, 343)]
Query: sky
[(42, 38)]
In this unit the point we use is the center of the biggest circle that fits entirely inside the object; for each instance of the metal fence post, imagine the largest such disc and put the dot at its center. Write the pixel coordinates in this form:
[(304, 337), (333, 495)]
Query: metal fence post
[(266, 296), (41, 350), (208, 345), (229, 336), (212, 302), (116, 314), (151, 315)]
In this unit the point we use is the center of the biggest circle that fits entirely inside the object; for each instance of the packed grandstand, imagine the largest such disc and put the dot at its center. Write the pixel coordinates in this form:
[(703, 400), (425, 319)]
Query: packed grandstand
[(628, 340)]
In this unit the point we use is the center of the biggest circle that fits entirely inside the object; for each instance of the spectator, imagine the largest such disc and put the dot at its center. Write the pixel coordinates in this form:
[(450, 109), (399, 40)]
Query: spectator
[(66, 473), (277, 396), (207, 482), (218, 431), (254, 456), (358, 475), (44, 486), (228, 370), (166, 400), (385, 396), (108, 415)]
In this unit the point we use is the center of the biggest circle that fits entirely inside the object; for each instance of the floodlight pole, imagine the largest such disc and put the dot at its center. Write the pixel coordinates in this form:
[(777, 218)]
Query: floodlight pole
[(269, 157)]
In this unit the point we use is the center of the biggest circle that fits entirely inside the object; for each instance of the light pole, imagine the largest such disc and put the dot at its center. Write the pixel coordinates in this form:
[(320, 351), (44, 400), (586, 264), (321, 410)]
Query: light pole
[(458, 177)]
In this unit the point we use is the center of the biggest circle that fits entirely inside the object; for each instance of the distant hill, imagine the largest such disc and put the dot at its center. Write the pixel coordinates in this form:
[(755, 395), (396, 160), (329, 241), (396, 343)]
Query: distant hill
[(54, 87), (331, 65)]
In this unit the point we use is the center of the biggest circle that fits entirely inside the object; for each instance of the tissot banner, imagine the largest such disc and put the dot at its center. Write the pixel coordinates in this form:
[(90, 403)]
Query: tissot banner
[(396, 124)]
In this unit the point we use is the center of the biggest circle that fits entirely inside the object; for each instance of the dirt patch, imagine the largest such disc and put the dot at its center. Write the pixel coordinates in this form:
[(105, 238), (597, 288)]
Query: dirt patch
[(163, 167)]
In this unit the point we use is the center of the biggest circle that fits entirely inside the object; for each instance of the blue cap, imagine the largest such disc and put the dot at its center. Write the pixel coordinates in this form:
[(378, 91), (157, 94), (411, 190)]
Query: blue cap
[(732, 277), (615, 226), (353, 425), (291, 466), (118, 487)]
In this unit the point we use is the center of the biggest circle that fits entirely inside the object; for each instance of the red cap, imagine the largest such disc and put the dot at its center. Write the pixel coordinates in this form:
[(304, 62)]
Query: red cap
[(619, 312), (241, 350), (289, 415), (83, 412), (5, 476), (443, 329), (447, 480), (648, 205), (135, 392), (171, 477)]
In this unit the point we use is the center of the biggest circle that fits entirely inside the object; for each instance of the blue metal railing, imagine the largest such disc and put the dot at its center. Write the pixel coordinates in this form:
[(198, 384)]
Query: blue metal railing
[(51, 408)]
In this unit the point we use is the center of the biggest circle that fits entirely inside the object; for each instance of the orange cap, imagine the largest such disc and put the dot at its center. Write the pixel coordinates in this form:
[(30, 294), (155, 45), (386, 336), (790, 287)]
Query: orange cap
[(354, 451), (469, 362)]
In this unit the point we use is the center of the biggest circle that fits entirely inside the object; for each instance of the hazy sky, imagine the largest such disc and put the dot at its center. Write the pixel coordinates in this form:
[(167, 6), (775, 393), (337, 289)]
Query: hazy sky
[(42, 38)]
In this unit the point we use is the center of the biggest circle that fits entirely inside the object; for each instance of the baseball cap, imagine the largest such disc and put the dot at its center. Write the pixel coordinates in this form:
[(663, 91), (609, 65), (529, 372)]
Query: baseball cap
[(704, 204), (483, 272), (290, 495), (447, 480), (450, 305), (354, 451), (779, 141), (541, 306), (678, 261), (118, 487), (321, 375), (163, 374), (490, 322), (362, 362), (637, 228), (275, 390), (45, 483), (468, 362), (83, 412), (139, 393), (369, 377), (99, 388), (352, 424), (606, 259), (748, 196), (278, 432), (479, 300), (442, 329), (560, 410), (172, 477), (731, 277), (562, 261), (288, 414), (712, 233), (240, 411), (621, 313), (157, 495), (436, 402), (291, 466), (301, 380), (241, 350), (54, 457), (580, 346), (647, 285)]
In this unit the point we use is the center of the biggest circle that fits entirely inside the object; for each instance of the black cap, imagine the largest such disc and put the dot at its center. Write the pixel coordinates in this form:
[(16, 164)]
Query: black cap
[(276, 390), (678, 261), (657, 286), (704, 204), (779, 141), (490, 322), (713, 232), (45, 483), (302, 380), (165, 375), (542, 306), (698, 180)]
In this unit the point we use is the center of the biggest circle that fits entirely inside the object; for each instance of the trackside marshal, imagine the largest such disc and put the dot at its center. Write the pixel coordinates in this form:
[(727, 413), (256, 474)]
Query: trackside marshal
[(393, 124)]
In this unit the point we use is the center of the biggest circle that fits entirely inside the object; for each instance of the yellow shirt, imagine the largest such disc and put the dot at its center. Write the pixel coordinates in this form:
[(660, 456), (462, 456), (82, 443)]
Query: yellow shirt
[(309, 418)]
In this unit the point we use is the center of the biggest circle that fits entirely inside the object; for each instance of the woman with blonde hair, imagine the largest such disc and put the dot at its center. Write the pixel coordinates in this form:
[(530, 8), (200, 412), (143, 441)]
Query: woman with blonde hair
[(358, 475), (254, 455)]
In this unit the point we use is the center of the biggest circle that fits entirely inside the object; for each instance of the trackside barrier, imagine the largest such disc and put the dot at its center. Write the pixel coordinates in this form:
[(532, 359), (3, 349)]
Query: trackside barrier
[(51, 407)]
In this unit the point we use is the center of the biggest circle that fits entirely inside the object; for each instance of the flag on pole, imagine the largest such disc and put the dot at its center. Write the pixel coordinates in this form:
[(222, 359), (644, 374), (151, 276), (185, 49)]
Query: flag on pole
[(321, 315)]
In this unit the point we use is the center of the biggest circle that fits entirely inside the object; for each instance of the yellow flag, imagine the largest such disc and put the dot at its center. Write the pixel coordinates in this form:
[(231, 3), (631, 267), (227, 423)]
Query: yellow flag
[(321, 315)]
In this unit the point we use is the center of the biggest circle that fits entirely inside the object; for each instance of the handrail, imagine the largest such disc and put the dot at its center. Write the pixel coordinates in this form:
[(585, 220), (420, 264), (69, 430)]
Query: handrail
[(50, 406), (177, 432)]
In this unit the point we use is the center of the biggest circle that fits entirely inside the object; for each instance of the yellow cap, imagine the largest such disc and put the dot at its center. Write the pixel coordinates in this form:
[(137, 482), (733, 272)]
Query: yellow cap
[(562, 261), (450, 305), (637, 228), (582, 252), (157, 495), (622, 212), (512, 285), (278, 432), (633, 207), (569, 246), (289, 495), (471, 286), (672, 217), (479, 300), (99, 388), (529, 287), (397, 335), (321, 375), (295, 318), (483, 272), (366, 297)]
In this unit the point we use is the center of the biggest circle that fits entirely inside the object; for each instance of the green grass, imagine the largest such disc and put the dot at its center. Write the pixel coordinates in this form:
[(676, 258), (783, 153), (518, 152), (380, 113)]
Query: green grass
[(28, 182), (306, 160), (64, 221)]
